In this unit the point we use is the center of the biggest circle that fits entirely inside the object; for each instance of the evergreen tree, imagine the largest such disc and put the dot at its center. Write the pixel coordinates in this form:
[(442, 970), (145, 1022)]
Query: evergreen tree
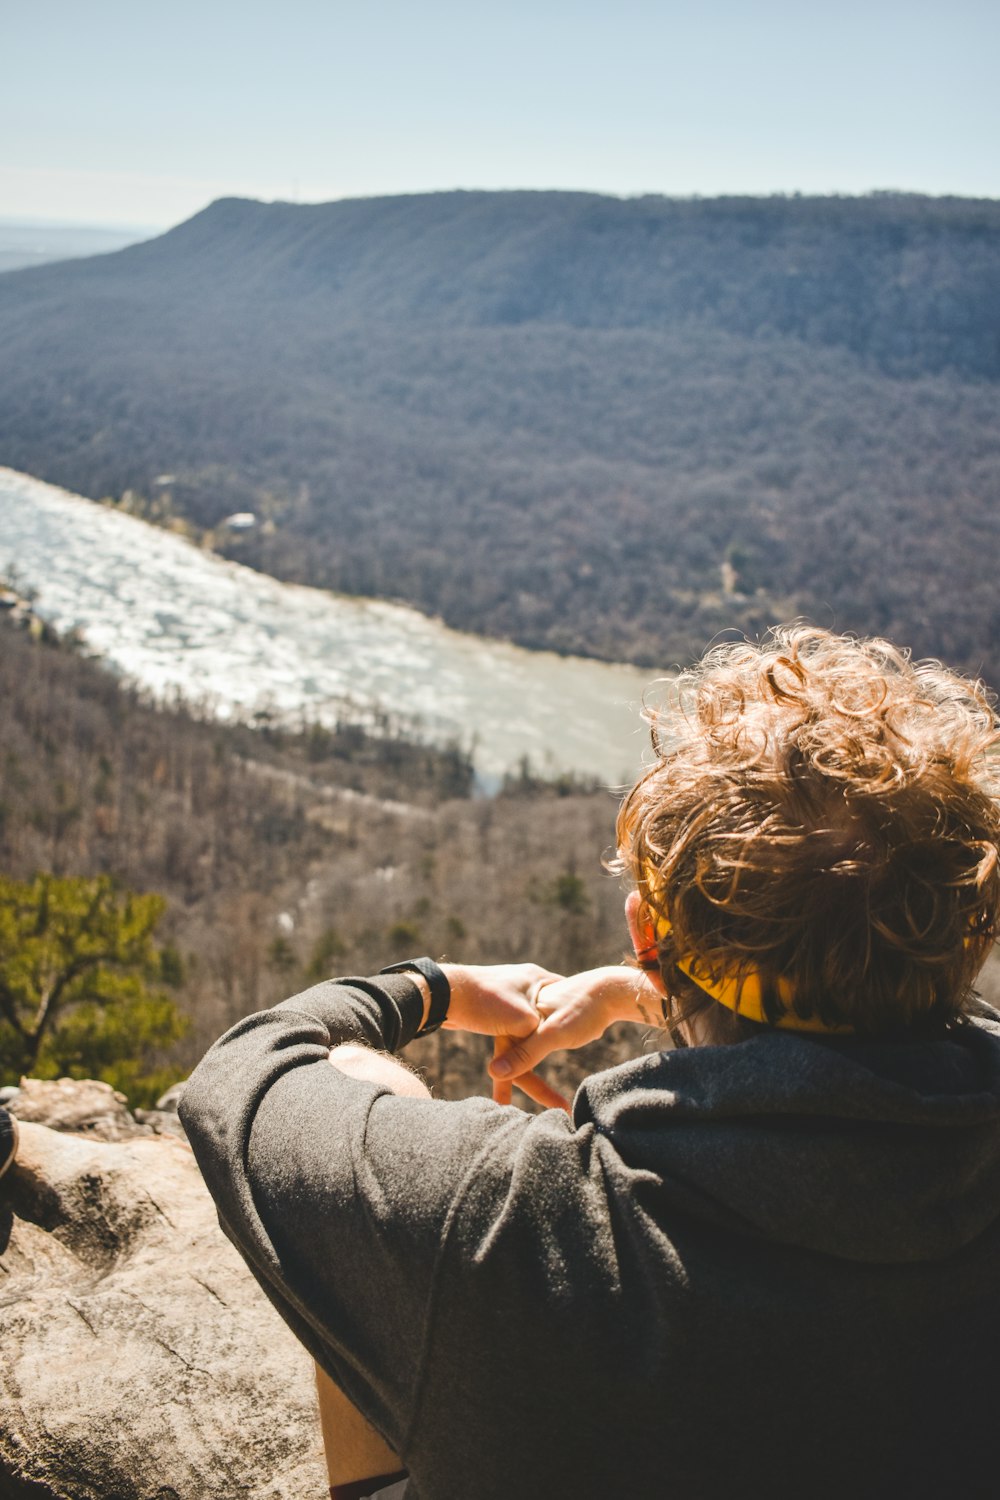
[(76, 960)]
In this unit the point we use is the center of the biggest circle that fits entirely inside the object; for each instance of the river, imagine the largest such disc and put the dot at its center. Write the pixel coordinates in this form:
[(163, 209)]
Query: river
[(179, 620)]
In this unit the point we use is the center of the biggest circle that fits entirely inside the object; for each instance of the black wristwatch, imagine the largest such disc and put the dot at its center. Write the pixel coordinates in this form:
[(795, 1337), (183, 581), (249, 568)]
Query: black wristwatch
[(437, 983)]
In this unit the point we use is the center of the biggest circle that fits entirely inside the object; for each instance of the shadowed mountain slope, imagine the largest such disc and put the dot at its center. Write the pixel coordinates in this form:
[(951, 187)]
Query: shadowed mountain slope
[(597, 425)]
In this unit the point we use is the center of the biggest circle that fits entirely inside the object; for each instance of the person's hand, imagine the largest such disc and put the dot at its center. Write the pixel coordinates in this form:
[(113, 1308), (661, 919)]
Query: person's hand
[(495, 999), (498, 1000), (571, 1012)]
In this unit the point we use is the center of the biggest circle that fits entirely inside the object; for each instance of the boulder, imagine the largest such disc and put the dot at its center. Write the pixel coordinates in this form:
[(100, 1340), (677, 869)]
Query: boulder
[(75, 1104), (139, 1359), (88, 1107), (168, 1102)]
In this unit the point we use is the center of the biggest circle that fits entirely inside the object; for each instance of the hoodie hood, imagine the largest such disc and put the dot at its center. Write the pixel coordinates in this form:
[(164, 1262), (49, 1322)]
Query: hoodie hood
[(867, 1151)]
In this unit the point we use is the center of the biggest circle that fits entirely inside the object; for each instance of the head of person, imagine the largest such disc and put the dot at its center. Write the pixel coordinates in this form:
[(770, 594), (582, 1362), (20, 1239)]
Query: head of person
[(817, 846)]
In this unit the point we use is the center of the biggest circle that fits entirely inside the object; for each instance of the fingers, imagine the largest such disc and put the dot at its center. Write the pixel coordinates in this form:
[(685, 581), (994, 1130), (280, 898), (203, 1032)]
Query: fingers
[(503, 1093), (532, 980), (529, 1083), (524, 1024), (538, 990), (509, 1060), (522, 1054), (545, 976), (513, 1056), (502, 1089), (536, 1088)]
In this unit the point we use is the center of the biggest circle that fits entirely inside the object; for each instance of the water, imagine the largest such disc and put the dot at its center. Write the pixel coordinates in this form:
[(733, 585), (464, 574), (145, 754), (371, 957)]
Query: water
[(176, 619), (25, 244)]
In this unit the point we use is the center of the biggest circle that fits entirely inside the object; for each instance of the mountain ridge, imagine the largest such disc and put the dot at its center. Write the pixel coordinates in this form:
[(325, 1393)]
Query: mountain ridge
[(615, 426), (586, 260)]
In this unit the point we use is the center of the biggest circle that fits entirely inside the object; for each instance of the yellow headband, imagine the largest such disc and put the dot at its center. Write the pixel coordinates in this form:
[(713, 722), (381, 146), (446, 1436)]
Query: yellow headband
[(744, 994)]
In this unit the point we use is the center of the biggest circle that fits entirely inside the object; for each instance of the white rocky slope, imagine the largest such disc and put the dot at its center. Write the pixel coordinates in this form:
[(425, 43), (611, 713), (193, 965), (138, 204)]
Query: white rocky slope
[(138, 1360)]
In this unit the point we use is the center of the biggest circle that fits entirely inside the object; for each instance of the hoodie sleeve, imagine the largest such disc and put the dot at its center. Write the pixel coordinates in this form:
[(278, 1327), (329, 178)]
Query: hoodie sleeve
[(338, 1193)]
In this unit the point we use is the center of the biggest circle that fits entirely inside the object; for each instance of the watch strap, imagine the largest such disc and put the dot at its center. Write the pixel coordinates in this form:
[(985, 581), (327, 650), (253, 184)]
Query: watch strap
[(437, 983)]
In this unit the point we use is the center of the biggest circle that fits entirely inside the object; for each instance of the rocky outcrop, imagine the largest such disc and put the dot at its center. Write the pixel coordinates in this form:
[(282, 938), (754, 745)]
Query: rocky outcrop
[(139, 1360), (69, 1104)]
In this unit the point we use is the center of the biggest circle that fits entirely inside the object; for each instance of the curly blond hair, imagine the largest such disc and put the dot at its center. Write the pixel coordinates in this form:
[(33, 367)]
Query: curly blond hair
[(826, 812)]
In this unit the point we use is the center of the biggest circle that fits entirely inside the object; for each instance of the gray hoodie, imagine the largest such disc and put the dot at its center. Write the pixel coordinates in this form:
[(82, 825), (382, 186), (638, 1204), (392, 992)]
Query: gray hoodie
[(771, 1268)]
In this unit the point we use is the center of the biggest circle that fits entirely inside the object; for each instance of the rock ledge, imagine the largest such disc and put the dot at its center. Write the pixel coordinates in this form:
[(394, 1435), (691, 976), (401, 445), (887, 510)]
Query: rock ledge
[(140, 1360)]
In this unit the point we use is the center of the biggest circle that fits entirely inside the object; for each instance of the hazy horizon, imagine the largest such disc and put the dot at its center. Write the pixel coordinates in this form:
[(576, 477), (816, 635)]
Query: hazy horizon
[(135, 118), (139, 231)]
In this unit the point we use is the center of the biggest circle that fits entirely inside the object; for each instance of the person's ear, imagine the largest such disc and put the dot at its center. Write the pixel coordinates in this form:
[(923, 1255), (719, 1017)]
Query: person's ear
[(640, 928), (642, 931)]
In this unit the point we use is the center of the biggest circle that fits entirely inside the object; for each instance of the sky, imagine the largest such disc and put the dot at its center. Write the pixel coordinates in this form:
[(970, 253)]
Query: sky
[(120, 112)]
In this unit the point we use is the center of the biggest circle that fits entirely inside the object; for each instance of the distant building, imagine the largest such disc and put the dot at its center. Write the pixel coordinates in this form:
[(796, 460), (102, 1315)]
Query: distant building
[(242, 520)]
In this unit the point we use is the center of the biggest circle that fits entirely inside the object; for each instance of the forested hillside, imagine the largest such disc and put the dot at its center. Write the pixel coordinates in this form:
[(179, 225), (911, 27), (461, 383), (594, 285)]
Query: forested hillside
[(601, 426), (287, 858)]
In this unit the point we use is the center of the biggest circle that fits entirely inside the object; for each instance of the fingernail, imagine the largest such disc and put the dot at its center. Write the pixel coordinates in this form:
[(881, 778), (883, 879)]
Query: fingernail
[(501, 1068)]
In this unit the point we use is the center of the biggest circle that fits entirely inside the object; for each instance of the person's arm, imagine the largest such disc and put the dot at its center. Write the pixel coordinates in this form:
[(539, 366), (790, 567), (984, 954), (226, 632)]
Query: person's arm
[(338, 1191), (565, 1012), (353, 1449), (487, 999)]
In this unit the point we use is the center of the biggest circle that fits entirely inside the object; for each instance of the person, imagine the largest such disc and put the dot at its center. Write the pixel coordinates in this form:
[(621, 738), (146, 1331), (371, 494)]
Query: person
[(765, 1260), (8, 1140)]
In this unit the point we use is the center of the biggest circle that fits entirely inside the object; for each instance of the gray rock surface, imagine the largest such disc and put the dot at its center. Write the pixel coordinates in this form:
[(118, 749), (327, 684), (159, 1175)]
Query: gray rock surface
[(87, 1106), (90, 1108), (170, 1100), (139, 1360)]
